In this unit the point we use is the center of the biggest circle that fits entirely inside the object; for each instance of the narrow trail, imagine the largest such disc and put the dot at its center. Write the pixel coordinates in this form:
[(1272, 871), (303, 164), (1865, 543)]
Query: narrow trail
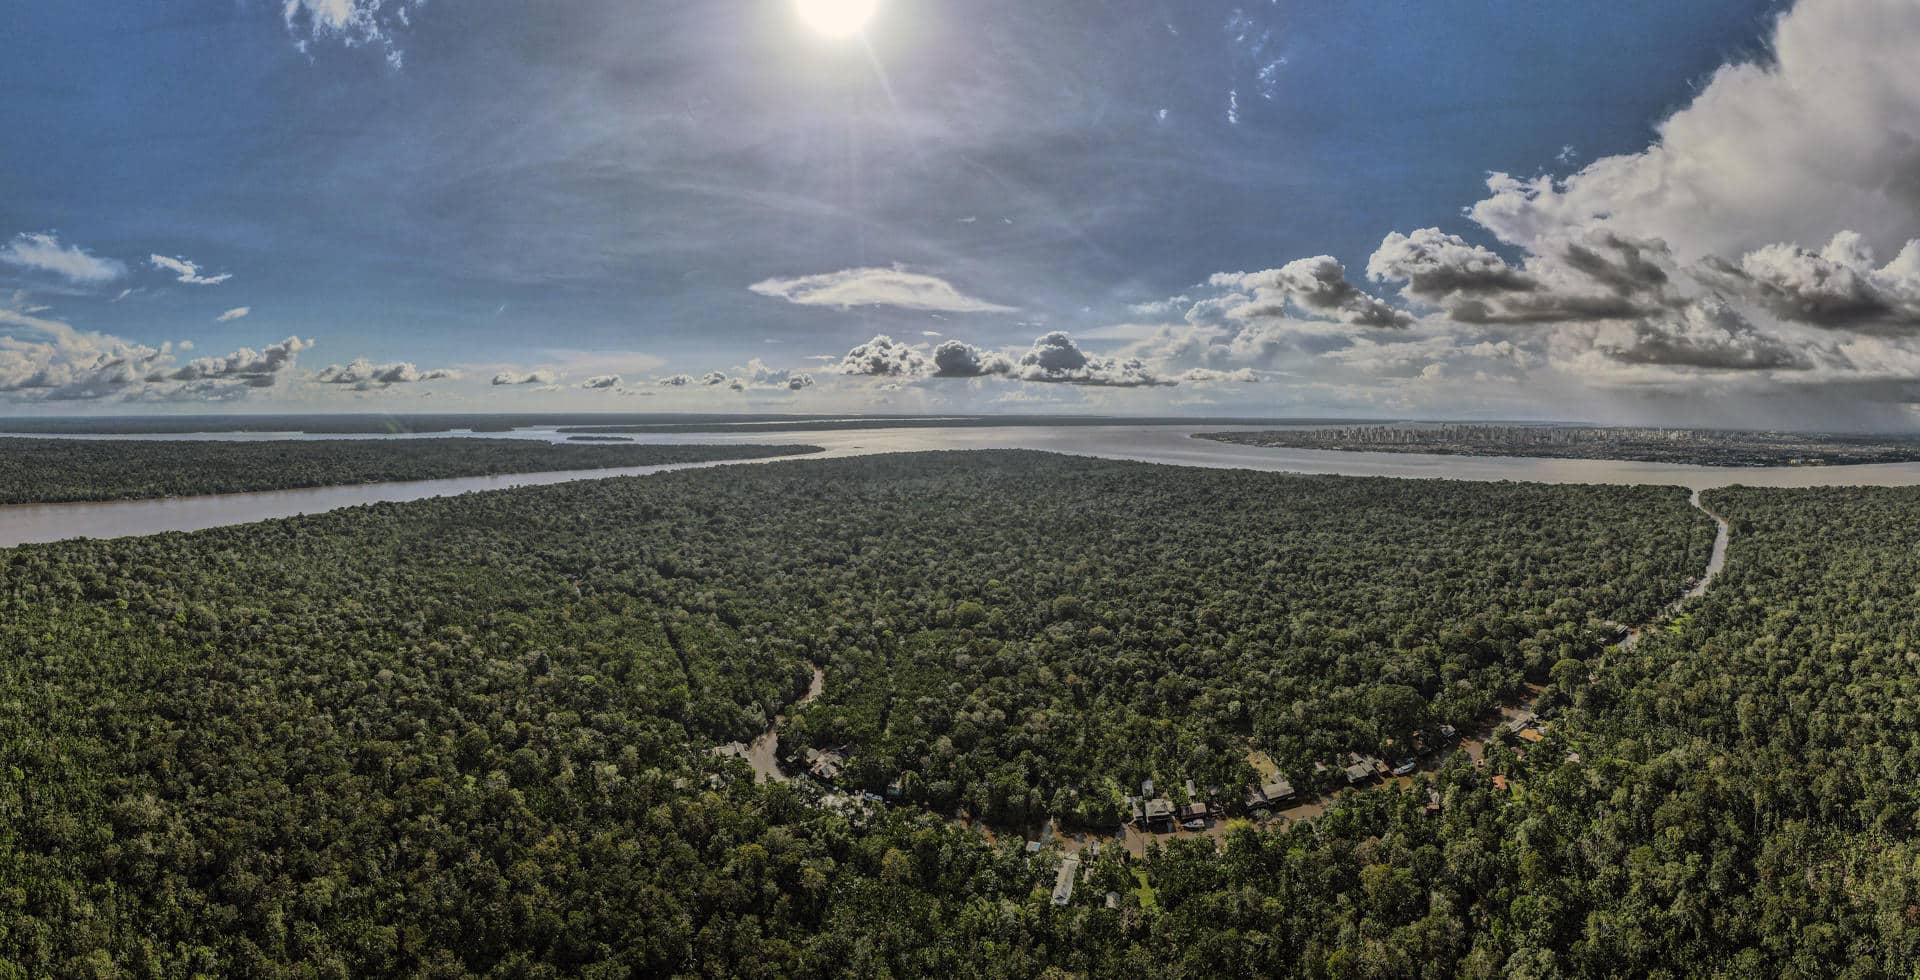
[(1716, 562), (761, 753)]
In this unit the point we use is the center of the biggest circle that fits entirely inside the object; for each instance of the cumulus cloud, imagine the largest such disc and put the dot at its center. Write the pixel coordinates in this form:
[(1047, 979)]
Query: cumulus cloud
[(759, 375), (1598, 276), (676, 381), (1055, 359), (539, 376), (1837, 286), (185, 272), (233, 314), (43, 252), (44, 359), (1709, 334), (884, 357), (1677, 266), (1439, 268), (956, 359), (894, 287), (1317, 286), (601, 382), (49, 360), (364, 375), (252, 368), (1818, 135), (1211, 376), (712, 378)]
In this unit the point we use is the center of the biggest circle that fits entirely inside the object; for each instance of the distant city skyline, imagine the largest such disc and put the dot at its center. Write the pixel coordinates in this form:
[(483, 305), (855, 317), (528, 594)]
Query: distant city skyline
[(1696, 214)]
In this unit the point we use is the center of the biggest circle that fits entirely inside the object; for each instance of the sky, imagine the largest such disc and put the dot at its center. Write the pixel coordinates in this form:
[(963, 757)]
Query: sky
[(1646, 212)]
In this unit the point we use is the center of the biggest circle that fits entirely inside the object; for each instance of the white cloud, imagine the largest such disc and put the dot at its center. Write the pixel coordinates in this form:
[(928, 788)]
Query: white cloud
[(954, 359), (43, 252), (45, 360), (185, 271), (363, 375), (233, 314), (253, 368), (540, 376), (1437, 267), (884, 357), (1211, 376), (1317, 286), (759, 376), (601, 382), (894, 287), (1055, 359), (1822, 136), (1835, 287)]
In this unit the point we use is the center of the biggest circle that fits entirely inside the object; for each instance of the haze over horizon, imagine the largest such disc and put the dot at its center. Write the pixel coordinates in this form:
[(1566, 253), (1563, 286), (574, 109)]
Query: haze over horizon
[(1637, 214)]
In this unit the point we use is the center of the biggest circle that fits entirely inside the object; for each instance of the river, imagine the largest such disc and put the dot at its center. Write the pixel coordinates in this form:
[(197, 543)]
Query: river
[(1170, 444)]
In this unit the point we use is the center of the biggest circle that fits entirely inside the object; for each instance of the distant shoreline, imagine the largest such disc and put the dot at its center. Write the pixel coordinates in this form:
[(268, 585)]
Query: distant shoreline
[(1722, 449)]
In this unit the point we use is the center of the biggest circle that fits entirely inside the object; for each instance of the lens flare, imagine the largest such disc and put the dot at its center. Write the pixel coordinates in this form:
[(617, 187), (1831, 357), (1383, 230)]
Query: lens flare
[(836, 18)]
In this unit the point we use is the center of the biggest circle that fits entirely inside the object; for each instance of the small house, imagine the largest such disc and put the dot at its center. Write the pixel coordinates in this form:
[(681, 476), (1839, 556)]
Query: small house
[(1358, 769), (825, 765), (1159, 812), (1269, 794), (1064, 879)]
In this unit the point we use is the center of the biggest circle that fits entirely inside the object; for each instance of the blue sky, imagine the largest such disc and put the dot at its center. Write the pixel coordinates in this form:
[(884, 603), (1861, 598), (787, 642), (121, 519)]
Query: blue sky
[(426, 197)]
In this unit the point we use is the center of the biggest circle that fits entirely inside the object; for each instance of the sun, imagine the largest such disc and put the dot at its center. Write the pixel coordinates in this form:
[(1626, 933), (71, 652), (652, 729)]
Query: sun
[(836, 18)]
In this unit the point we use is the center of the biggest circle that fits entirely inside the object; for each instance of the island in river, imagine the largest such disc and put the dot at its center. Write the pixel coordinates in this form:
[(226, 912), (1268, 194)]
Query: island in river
[(36, 471), (1697, 447)]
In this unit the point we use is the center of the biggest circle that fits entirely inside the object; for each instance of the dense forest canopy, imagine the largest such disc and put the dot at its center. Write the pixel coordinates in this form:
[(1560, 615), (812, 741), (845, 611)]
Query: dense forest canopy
[(1053, 633), (1703, 447), (473, 735), (41, 471)]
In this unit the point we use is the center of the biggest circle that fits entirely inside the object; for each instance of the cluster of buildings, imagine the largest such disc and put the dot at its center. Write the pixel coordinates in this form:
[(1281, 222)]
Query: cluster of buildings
[(1395, 759), (824, 764), (1158, 814)]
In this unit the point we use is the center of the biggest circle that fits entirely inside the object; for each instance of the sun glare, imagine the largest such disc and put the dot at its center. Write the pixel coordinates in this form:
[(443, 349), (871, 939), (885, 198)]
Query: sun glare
[(836, 18)]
